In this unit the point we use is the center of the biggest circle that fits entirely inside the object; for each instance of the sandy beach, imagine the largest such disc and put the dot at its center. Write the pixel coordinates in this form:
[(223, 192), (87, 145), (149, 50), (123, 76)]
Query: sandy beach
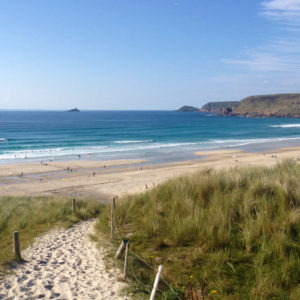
[(104, 179), (65, 264)]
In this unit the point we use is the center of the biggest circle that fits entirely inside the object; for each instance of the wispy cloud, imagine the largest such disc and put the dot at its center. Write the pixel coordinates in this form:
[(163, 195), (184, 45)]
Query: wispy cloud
[(287, 11), (274, 66), (277, 55), (281, 55), (282, 5)]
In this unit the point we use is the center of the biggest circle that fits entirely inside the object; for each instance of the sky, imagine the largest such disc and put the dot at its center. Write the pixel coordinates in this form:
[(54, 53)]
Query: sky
[(145, 54)]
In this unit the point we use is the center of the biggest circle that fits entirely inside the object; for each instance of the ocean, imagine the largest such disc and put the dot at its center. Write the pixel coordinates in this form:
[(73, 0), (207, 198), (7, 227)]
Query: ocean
[(158, 136)]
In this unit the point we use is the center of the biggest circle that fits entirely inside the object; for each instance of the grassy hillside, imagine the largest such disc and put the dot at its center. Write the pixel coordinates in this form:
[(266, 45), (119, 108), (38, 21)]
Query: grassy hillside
[(280, 105), (32, 216), (220, 234)]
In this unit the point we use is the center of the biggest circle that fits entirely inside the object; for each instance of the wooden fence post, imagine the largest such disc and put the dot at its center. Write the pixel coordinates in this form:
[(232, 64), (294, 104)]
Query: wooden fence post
[(155, 285), (16, 242), (121, 249), (112, 212), (73, 205), (126, 261)]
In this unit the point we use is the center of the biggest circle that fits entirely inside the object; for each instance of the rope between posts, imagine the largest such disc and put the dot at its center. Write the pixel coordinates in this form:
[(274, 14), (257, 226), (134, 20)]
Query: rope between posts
[(161, 277), (138, 257), (148, 265), (146, 285)]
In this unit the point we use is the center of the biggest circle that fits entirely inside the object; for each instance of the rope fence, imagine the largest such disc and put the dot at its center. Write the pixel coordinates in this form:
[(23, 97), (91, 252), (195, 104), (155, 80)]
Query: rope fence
[(134, 258)]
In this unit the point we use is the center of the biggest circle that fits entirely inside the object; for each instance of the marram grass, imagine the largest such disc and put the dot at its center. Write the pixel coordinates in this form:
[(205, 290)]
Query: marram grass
[(230, 234), (32, 216)]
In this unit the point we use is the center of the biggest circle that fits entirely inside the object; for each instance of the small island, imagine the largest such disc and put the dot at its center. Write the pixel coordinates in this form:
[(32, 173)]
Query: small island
[(73, 110), (187, 108)]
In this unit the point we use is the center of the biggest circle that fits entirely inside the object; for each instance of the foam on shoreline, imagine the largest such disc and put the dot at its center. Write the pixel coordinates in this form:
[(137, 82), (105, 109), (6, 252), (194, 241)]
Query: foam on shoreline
[(97, 178), (135, 148)]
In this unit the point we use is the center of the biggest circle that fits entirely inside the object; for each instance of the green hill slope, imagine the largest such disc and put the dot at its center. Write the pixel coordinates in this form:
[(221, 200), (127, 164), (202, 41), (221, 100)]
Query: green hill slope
[(280, 105)]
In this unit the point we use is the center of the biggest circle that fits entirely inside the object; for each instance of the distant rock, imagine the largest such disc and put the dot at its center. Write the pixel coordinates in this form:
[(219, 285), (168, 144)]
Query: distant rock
[(187, 108), (73, 110)]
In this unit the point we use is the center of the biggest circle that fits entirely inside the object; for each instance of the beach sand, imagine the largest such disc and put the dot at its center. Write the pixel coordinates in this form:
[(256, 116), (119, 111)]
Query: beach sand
[(90, 179), (63, 264)]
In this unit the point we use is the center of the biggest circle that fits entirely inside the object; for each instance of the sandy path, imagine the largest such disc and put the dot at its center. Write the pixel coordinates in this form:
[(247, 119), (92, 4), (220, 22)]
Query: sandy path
[(63, 264)]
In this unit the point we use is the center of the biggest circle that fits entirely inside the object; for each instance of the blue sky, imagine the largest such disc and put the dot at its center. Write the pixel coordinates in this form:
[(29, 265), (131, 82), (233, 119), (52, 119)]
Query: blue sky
[(145, 54)]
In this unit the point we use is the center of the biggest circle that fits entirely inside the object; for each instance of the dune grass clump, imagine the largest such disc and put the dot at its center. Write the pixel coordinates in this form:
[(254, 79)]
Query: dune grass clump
[(32, 216), (229, 234)]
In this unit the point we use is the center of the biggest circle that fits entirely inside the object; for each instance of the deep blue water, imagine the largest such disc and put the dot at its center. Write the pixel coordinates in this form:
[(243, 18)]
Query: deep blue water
[(40, 135)]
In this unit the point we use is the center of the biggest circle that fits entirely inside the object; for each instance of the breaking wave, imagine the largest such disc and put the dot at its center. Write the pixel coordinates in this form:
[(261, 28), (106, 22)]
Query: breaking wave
[(286, 126)]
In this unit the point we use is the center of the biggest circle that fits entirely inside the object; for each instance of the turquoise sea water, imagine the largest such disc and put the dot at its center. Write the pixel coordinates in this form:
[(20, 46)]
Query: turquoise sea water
[(154, 135)]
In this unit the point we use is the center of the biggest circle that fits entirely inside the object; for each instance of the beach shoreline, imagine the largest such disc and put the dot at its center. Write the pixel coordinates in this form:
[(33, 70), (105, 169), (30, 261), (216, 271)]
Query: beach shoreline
[(104, 179)]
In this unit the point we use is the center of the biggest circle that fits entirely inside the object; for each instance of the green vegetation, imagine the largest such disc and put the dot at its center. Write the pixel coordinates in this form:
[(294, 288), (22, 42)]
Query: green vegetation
[(230, 234), (280, 105), (32, 216)]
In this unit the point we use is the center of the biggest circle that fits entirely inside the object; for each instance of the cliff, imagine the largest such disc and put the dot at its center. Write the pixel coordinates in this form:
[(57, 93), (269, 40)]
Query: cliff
[(223, 108), (279, 105)]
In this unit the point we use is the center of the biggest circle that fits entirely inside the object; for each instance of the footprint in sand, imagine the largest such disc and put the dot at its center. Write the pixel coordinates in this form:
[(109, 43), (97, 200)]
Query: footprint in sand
[(63, 264)]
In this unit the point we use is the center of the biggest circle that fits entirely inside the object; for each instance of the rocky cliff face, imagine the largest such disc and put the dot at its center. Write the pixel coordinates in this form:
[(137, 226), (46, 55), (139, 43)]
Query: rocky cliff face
[(221, 108)]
